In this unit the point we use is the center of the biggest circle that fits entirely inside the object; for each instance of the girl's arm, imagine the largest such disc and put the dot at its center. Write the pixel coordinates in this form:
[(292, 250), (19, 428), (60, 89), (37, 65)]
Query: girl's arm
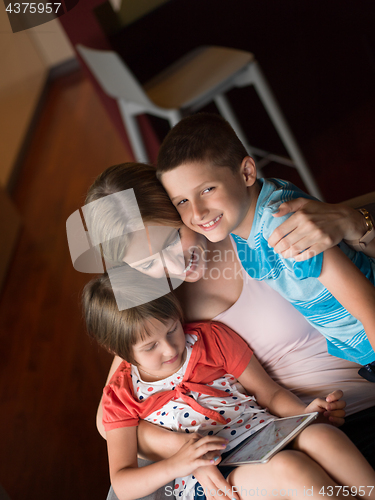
[(157, 443), (351, 288), (315, 227), (283, 403), (131, 482), (154, 442)]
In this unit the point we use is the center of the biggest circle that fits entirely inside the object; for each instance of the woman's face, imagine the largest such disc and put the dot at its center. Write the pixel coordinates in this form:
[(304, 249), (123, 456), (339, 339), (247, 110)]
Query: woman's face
[(181, 252)]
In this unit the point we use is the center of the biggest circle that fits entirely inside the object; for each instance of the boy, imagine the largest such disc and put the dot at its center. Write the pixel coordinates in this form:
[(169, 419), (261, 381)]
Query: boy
[(212, 182)]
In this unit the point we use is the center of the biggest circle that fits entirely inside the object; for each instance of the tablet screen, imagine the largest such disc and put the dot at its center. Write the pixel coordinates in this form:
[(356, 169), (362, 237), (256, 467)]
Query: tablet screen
[(263, 444)]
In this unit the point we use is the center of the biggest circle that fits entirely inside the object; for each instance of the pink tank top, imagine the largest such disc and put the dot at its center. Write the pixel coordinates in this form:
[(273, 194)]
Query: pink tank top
[(292, 352)]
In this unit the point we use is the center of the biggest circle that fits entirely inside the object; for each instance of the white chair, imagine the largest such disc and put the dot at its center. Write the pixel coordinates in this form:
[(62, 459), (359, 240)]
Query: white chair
[(202, 76)]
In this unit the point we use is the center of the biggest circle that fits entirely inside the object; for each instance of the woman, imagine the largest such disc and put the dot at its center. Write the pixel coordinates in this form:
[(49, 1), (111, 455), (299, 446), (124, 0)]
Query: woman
[(216, 287)]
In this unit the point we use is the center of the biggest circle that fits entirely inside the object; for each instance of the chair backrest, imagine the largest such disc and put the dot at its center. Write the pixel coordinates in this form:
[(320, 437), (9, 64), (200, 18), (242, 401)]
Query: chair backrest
[(113, 75)]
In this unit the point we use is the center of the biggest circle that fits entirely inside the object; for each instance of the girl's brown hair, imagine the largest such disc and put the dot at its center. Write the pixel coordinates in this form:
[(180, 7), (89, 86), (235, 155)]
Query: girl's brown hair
[(118, 331), (110, 223)]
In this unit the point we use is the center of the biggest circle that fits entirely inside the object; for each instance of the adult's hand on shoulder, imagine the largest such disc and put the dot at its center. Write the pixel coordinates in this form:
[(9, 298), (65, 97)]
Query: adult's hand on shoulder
[(314, 227)]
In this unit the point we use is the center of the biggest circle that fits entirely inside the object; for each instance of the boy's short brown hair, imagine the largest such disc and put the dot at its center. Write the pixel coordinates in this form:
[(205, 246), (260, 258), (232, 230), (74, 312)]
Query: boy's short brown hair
[(118, 331), (201, 137)]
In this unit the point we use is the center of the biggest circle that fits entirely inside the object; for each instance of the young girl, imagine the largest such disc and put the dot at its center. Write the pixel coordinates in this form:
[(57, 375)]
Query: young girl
[(193, 379)]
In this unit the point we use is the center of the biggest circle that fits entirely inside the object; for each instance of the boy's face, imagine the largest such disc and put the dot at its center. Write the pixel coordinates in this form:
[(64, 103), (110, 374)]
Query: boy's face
[(212, 200), (162, 352)]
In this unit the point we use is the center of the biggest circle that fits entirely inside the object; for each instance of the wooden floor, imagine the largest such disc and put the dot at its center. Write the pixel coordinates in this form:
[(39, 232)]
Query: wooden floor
[(51, 374)]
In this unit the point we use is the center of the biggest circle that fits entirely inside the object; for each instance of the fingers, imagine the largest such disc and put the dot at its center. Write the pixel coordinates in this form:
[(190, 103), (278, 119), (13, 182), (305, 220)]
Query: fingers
[(297, 235), (331, 408), (335, 407), (213, 455), (215, 491), (309, 253), (291, 206), (212, 443), (334, 396), (282, 231), (208, 495), (203, 462), (322, 405), (199, 440), (335, 417), (206, 439), (311, 229), (332, 415), (205, 446), (296, 230), (336, 420), (194, 454), (302, 244), (225, 491), (319, 405), (332, 419), (218, 488), (289, 247), (338, 406)]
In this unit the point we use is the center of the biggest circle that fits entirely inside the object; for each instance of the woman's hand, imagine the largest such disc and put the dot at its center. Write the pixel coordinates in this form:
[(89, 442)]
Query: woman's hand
[(331, 408), (192, 454), (213, 483), (314, 227)]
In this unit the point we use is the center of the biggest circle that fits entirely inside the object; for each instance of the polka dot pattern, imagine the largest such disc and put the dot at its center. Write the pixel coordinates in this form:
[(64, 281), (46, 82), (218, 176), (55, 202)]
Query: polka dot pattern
[(241, 413)]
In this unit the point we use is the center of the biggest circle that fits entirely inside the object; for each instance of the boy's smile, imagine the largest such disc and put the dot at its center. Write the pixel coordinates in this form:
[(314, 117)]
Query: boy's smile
[(213, 200)]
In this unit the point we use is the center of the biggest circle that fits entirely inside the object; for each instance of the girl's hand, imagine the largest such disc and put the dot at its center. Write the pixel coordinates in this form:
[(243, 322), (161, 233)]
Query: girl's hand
[(331, 408), (214, 485), (314, 227), (191, 456)]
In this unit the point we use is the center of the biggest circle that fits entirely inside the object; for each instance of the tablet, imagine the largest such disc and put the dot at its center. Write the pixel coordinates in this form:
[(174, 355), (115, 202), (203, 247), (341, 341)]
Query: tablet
[(265, 443)]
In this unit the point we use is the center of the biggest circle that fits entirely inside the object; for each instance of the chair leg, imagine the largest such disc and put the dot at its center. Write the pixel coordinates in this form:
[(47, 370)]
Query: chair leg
[(269, 102), (174, 117), (227, 112), (134, 134)]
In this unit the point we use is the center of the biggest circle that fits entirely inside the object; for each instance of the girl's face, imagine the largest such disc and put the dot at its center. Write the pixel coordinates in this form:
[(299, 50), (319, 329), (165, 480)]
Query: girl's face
[(182, 253), (161, 353)]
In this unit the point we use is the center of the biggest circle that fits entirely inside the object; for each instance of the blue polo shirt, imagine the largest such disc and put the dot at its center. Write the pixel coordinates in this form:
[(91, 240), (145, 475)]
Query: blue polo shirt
[(297, 281)]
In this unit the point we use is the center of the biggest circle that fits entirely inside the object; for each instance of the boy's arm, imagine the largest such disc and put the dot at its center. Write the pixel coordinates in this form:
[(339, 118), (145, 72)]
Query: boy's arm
[(351, 288), (130, 482), (283, 403)]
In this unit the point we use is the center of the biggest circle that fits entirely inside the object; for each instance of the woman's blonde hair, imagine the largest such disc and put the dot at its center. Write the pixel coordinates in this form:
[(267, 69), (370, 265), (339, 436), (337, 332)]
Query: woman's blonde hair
[(118, 331), (112, 221)]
